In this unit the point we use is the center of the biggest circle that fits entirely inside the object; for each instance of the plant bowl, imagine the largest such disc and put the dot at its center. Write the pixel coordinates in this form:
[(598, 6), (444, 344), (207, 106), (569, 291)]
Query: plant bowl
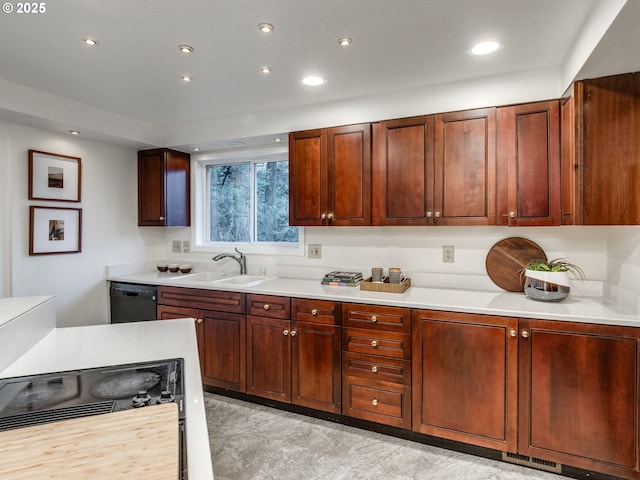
[(546, 286)]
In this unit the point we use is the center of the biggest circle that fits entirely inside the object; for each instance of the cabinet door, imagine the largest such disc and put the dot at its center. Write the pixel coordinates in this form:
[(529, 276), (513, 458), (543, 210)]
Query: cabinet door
[(177, 194), (403, 172), (151, 201), (610, 169), (465, 168), (315, 366), (268, 358), (464, 376), (224, 352), (307, 177), (167, 312), (529, 161), (164, 188), (579, 395), (349, 175), (570, 135)]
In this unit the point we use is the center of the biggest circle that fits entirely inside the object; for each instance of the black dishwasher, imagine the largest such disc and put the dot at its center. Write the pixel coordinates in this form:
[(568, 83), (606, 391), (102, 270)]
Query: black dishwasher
[(131, 302)]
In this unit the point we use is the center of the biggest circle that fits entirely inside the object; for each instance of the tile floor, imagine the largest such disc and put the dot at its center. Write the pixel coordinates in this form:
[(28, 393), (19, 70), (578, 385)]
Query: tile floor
[(254, 442)]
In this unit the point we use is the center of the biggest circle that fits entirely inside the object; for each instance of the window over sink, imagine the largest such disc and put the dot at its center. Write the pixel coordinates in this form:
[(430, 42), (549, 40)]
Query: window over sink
[(242, 200)]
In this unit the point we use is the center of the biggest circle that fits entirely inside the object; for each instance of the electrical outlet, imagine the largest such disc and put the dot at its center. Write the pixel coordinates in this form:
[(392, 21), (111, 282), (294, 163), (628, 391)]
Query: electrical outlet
[(186, 246), (176, 246), (315, 251), (448, 254)]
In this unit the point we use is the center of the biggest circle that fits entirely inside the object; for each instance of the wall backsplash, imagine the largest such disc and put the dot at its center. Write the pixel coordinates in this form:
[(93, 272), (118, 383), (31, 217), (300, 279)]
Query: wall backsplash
[(418, 251)]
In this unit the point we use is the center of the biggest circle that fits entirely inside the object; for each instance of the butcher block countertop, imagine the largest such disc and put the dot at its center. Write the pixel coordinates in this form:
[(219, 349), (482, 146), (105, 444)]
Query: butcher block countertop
[(100, 447), (102, 345)]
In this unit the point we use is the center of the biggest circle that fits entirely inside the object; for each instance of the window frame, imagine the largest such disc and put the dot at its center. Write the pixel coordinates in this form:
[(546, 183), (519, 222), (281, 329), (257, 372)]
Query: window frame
[(200, 204)]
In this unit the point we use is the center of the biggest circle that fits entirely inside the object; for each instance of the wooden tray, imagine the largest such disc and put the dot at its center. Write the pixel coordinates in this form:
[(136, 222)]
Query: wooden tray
[(385, 286), (507, 258)]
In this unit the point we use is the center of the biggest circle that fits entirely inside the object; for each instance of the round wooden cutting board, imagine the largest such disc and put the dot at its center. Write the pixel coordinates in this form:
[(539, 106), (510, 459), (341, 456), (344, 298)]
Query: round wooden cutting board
[(507, 258)]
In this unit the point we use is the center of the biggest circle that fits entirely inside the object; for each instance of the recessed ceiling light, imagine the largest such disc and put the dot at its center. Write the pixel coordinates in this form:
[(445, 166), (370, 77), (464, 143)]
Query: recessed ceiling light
[(278, 140), (344, 41), (313, 80), (266, 27), (237, 144), (266, 69), (185, 48), (196, 149), (74, 132), (484, 48), (187, 78), (90, 41)]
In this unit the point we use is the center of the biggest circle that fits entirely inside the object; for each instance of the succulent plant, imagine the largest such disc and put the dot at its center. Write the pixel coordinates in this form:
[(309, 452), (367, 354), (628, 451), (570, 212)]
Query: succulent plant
[(555, 265)]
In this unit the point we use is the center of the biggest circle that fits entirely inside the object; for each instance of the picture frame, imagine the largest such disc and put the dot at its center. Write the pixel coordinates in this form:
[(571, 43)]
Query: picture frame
[(54, 230), (54, 177)]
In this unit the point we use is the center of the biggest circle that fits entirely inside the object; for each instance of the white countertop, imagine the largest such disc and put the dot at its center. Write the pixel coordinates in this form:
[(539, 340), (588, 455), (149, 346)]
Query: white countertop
[(12, 307), (574, 308), (96, 346)]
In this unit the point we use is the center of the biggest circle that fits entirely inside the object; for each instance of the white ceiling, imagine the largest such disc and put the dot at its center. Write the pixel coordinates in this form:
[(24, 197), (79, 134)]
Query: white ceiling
[(135, 70)]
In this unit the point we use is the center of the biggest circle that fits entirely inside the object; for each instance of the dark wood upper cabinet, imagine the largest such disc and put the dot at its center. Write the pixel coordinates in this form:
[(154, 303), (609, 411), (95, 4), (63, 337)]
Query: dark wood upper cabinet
[(465, 168), (330, 176), (528, 189), (403, 172), (608, 156), (163, 188)]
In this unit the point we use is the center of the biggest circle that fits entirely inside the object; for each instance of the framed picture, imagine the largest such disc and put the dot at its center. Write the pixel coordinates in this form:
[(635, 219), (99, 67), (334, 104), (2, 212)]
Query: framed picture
[(54, 177), (54, 230)]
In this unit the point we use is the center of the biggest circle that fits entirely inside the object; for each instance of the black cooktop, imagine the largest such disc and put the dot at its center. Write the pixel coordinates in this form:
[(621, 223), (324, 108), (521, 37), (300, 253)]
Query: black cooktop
[(37, 399)]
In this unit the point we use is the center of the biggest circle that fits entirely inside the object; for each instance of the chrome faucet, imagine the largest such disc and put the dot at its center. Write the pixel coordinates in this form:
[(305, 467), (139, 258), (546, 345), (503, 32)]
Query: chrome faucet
[(238, 257)]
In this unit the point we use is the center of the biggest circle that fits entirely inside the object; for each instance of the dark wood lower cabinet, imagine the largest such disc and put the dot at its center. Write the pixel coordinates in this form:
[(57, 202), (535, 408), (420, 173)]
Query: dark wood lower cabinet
[(579, 402), (315, 366), (294, 361), (268, 358), (465, 378), (221, 345), (553, 391)]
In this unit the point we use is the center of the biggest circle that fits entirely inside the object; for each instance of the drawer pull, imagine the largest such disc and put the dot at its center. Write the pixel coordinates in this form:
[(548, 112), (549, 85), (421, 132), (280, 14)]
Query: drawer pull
[(374, 343), (374, 319), (374, 402), (293, 333), (285, 332), (374, 369), (266, 306), (199, 321), (314, 312), (525, 334), (513, 333)]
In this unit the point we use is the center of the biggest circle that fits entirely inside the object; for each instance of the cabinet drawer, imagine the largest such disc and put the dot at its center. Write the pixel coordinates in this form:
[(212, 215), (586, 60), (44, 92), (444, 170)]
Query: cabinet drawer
[(269, 306), (379, 402), (217, 301), (315, 311), (393, 319), (376, 368), (372, 342)]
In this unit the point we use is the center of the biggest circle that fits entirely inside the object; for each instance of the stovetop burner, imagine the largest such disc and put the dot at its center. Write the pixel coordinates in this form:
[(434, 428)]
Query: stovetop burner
[(124, 384)]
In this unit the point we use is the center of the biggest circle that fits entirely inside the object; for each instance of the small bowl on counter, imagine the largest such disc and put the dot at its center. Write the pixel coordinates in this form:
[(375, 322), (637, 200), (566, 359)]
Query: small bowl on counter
[(185, 268), (162, 267), (174, 267)]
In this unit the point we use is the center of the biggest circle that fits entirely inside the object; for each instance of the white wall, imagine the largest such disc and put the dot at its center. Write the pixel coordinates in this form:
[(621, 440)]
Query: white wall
[(109, 224)]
